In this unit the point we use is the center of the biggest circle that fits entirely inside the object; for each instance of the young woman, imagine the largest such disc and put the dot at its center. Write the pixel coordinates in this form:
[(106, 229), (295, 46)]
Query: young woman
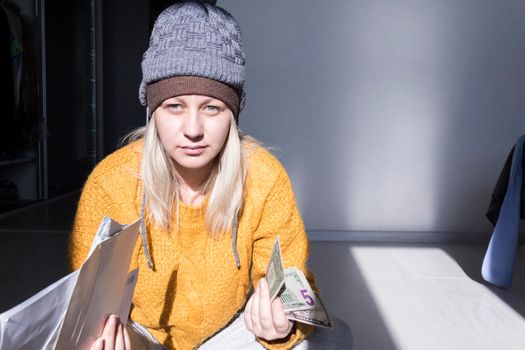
[(212, 201)]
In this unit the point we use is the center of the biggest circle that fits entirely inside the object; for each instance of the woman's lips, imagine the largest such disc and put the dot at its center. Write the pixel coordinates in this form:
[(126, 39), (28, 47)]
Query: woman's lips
[(193, 150)]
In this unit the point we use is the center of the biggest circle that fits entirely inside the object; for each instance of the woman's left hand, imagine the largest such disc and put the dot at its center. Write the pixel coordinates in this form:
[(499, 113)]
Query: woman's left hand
[(114, 336), (264, 318)]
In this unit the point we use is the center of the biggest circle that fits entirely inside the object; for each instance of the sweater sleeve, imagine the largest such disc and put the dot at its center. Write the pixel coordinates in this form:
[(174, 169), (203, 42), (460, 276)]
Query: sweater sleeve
[(94, 204), (280, 217)]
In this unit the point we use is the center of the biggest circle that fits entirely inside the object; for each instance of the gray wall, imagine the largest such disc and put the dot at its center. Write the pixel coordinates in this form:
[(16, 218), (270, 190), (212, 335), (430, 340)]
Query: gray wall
[(388, 115)]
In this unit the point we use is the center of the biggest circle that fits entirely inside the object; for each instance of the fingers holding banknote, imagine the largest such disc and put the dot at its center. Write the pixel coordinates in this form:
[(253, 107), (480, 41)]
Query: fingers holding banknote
[(266, 318), (114, 336)]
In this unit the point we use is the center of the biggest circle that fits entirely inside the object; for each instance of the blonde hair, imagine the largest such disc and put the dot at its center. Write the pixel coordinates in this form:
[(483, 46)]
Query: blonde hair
[(224, 186)]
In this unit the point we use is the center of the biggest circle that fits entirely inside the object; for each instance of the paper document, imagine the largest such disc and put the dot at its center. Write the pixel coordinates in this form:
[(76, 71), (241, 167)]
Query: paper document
[(70, 313)]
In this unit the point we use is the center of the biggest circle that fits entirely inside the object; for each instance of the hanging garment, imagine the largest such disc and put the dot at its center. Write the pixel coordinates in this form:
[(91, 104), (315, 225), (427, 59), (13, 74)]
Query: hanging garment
[(15, 29), (501, 188), (500, 258), (27, 126), (6, 85), (19, 79)]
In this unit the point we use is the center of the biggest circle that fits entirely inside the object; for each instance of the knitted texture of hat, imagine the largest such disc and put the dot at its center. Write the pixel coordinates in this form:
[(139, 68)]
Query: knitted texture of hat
[(194, 39)]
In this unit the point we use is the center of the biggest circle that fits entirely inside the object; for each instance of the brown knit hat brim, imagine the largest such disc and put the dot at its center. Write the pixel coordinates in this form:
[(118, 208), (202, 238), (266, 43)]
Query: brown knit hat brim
[(161, 90)]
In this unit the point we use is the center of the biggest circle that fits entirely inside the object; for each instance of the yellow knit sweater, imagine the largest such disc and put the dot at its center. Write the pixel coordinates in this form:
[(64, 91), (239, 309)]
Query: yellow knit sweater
[(196, 288)]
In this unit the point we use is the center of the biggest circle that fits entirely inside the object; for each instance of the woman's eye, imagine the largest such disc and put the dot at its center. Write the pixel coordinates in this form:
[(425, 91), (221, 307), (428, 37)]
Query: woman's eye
[(174, 106), (212, 109)]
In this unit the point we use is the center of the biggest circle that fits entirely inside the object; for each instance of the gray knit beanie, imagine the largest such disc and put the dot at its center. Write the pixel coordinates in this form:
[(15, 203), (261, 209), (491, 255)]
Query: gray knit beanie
[(193, 39)]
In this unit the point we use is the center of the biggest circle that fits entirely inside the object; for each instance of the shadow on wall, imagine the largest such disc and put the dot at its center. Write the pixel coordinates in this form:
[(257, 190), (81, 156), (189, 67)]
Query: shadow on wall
[(397, 114), (484, 67)]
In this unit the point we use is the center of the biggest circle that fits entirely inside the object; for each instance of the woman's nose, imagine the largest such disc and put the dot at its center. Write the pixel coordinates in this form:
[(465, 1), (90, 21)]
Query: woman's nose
[(193, 128)]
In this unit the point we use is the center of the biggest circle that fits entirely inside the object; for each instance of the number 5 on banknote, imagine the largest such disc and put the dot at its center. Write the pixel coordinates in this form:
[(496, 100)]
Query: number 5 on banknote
[(308, 299)]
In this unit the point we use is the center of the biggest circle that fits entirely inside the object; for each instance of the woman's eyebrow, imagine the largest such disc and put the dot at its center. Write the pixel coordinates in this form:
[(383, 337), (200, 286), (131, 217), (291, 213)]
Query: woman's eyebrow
[(172, 100), (213, 100)]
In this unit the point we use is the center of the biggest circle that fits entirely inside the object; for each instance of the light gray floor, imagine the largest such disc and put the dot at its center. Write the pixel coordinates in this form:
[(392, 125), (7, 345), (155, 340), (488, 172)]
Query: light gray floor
[(415, 296), (394, 296)]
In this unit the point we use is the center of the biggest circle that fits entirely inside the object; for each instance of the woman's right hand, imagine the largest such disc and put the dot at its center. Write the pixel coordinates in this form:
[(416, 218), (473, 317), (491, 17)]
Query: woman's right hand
[(114, 336)]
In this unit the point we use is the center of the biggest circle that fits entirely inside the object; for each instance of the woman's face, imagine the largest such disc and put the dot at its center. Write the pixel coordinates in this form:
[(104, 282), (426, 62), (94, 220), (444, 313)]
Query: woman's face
[(193, 130)]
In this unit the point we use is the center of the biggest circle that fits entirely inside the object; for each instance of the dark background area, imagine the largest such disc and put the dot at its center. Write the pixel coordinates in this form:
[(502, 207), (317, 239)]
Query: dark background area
[(84, 62), (79, 91)]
